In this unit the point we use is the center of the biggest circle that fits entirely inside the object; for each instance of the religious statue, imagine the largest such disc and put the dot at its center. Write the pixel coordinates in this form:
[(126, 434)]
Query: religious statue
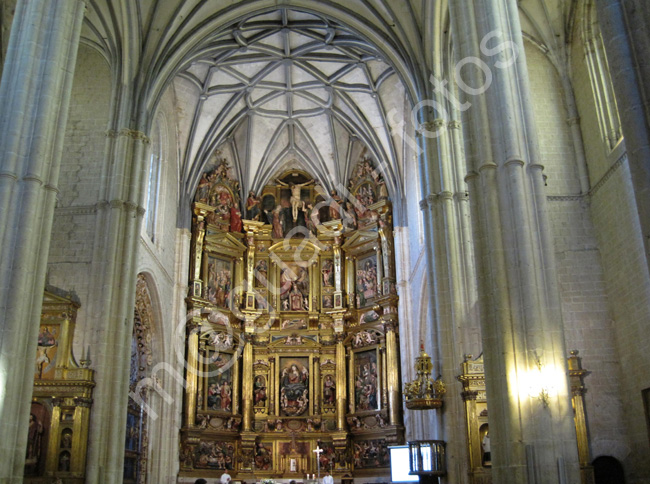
[(335, 205), (203, 189), (349, 217), (34, 435), (235, 219), (329, 390), (296, 199), (327, 270), (259, 390), (253, 210), (278, 225)]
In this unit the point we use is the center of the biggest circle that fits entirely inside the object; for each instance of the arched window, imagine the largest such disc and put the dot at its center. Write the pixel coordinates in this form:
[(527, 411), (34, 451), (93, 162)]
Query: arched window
[(601, 82), (153, 184)]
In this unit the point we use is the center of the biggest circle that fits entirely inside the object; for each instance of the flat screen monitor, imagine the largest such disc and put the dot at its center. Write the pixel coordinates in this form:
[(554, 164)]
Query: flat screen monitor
[(399, 465)]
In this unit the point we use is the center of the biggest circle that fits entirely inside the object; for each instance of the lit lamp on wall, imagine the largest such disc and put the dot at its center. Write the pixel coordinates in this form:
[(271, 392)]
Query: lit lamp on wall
[(427, 460)]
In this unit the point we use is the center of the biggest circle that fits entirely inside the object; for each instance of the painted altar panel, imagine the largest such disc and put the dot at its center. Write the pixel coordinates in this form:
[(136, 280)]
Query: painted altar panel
[(366, 381), (220, 384), (366, 280), (219, 281), (294, 386)]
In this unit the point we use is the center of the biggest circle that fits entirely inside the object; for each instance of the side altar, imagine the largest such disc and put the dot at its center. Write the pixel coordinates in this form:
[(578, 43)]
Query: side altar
[(293, 335)]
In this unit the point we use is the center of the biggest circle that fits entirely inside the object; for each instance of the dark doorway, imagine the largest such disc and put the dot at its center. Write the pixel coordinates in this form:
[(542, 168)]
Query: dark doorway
[(608, 470)]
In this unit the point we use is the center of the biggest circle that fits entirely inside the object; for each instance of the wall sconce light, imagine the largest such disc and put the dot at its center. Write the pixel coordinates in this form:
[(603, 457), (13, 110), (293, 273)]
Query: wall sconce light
[(542, 382)]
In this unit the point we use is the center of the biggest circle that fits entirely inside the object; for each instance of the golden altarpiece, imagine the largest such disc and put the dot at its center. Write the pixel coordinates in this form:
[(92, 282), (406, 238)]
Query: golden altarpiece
[(292, 339), (474, 395), (61, 401)]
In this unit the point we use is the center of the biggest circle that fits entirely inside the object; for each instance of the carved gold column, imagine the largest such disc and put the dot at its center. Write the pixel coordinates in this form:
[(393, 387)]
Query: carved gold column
[(235, 385), (197, 251), (576, 376), (351, 403), (385, 255), (338, 269), (270, 394), (349, 281), (392, 371), (251, 229), (340, 382), (469, 397), (192, 371), (247, 384), (380, 270), (311, 284), (317, 386)]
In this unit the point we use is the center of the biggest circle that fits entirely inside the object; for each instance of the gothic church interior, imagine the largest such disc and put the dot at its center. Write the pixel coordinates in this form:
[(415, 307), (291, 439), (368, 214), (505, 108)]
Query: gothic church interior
[(280, 238)]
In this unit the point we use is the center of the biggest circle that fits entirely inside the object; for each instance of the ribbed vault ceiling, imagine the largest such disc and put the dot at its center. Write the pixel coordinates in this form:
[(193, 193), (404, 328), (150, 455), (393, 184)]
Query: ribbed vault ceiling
[(284, 90)]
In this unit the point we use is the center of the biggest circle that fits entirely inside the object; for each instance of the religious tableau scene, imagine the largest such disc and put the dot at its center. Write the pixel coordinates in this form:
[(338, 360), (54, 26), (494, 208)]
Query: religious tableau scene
[(371, 453), (215, 455), (219, 281), (366, 380), (299, 279), (294, 385), (366, 280), (219, 391), (263, 456)]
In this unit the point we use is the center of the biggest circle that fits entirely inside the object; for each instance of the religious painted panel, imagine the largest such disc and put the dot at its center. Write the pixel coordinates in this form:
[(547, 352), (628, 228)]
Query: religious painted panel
[(219, 281), (366, 280), (219, 389), (294, 286), (263, 457), (327, 456), (328, 301), (48, 340), (371, 453), (294, 385), (214, 455), (366, 378)]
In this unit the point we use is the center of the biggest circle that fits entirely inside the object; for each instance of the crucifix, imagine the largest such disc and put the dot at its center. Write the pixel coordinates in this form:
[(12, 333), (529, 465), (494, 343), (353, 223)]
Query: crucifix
[(318, 452)]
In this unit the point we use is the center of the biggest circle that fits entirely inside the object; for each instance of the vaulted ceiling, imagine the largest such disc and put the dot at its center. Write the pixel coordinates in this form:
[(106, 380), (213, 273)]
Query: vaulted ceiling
[(288, 89)]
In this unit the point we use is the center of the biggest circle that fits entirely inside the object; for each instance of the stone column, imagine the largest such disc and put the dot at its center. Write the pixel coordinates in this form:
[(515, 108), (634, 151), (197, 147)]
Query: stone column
[(618, 31), (110, 307), (531, 423), (35, 95)]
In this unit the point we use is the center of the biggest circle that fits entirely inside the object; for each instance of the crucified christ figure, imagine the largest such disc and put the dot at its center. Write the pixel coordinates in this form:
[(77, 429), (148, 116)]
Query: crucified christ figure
[(296, 202)]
